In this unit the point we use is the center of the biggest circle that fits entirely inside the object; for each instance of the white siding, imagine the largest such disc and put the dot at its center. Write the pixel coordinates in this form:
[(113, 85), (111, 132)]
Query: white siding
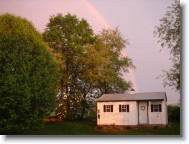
[(116, 117), (131, 117), (165, 113), (158, 117), (149, 112)]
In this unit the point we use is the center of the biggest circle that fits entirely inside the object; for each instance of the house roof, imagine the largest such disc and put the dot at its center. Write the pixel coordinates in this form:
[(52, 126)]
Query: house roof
[(133, 97)]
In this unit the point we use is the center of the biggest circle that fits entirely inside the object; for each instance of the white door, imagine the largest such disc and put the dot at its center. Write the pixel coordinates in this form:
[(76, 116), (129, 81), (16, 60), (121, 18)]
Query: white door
[(143, 113), (156, 118)]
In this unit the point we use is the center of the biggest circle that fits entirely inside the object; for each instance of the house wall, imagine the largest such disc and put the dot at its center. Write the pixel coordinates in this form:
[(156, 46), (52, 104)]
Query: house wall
[(131, 117), (158, 117), (116, 117)]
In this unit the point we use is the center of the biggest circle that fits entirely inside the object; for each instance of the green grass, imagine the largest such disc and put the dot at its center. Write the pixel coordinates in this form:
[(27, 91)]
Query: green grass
[(89, 128)]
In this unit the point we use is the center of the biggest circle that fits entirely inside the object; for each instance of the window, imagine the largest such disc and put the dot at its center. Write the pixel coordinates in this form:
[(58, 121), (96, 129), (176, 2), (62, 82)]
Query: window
[(156, 108), (108, 108), (123, 108)]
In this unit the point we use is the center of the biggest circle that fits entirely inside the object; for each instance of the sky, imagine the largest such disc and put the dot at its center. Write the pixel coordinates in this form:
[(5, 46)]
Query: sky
[(135, 20)]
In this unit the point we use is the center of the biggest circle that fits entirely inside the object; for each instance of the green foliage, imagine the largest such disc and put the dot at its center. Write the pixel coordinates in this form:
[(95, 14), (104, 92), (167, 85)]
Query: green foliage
[(113, 81), (173, 113), (90, 64), (67, 35), (28, 75), (172, 77), (168, 33)]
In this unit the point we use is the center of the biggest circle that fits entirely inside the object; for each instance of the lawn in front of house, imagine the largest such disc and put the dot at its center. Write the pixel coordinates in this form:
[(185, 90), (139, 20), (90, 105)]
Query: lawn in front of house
[(90, 128)]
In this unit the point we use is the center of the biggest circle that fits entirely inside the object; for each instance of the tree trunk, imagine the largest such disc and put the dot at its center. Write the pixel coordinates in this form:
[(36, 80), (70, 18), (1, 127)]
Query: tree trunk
[(83, 105)]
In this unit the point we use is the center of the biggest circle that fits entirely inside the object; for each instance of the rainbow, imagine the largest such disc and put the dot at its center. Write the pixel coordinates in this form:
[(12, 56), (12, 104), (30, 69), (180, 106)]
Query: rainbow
[(105, 24)]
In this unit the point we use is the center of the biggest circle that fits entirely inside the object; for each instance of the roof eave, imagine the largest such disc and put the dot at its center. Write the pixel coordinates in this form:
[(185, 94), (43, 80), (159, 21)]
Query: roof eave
[(130, 100)]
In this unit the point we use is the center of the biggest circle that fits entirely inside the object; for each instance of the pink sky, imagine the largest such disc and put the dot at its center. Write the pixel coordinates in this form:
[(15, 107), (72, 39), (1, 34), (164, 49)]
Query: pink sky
[(135, 18)]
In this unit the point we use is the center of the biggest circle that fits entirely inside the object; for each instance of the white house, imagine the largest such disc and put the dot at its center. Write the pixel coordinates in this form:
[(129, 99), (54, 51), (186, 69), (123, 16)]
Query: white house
[(132, 109)]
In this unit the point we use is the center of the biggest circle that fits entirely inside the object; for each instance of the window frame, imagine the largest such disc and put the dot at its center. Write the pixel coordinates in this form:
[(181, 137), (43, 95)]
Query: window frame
[(124, 108), (156, 107), (108, 108)]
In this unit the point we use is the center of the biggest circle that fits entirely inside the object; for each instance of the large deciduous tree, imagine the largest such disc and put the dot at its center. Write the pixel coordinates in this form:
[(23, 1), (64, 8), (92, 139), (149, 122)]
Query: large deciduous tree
[(28, 75), (90, 64), (113, 81), (67, 35), (93, 64), (168, 33)]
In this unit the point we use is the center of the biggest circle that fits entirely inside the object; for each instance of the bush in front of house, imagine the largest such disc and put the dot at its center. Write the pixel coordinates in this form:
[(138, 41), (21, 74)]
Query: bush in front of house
[(173, 113), (28, 76)]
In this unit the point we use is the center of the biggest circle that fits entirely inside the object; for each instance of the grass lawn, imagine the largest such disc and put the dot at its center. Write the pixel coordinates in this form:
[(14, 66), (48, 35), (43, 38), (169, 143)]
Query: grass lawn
[(90, 128)]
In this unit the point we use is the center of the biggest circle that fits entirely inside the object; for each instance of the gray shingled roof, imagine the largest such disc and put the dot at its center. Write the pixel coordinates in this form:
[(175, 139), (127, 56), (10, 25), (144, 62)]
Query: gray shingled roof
[(133, 97)]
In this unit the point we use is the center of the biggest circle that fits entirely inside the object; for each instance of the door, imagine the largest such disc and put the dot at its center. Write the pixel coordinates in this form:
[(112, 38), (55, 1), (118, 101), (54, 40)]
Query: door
[(143, 112), (158, 118), (156, 111)]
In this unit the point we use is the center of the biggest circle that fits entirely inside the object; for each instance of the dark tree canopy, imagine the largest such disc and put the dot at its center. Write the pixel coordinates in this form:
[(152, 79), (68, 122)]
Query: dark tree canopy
[(28, 75), (168, 33)]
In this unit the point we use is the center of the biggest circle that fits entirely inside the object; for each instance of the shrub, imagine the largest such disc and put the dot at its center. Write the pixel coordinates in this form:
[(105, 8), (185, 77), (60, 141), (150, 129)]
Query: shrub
[(28, 75), (173, 113)]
